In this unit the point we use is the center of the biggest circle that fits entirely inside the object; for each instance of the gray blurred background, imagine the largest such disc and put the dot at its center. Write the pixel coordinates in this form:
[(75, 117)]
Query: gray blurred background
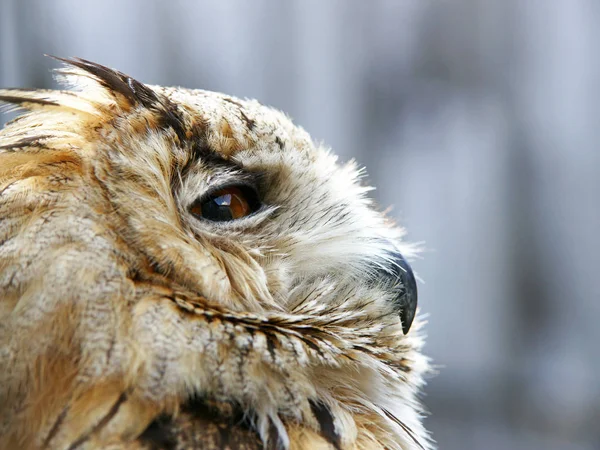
[(477, 119)]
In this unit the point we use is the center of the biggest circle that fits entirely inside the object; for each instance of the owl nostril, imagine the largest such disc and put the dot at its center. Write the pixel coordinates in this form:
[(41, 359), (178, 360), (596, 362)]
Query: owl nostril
[(399, 276)]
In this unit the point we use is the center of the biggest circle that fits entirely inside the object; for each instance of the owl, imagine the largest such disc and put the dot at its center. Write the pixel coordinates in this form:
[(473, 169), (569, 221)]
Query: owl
[(182, 269)]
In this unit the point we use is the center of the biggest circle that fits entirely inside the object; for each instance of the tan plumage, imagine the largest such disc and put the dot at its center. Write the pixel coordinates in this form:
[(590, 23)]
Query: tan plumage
[(127, 322)]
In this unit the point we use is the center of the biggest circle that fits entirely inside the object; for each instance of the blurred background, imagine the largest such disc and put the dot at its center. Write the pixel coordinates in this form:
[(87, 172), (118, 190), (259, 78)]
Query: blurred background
[(478, 120)]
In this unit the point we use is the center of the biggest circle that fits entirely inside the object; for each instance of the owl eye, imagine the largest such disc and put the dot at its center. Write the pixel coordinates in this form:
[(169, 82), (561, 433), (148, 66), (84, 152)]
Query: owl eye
[(229, 203)]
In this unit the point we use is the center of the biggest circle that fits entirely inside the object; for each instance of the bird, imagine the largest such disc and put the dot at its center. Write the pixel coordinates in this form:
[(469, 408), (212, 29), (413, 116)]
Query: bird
[(184, 269)]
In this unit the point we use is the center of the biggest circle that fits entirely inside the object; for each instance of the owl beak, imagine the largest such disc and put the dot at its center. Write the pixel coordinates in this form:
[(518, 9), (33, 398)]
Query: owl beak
[(399, 276)]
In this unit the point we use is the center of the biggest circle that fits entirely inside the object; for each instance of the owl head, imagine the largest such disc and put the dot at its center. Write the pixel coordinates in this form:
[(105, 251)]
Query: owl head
[(176, 261)]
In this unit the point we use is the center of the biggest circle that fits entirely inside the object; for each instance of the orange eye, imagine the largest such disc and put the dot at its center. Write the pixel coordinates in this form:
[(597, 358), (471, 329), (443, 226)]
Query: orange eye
[(226, 204)]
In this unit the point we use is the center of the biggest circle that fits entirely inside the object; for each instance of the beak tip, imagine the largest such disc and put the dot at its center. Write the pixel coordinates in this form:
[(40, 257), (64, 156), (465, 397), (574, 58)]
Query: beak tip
[(407, 297)]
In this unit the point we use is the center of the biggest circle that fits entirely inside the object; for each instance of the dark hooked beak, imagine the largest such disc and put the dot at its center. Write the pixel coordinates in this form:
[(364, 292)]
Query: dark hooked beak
[(399, 276)]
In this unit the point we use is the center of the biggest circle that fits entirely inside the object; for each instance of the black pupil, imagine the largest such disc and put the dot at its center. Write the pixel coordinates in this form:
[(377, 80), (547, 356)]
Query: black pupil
[(218, 208)]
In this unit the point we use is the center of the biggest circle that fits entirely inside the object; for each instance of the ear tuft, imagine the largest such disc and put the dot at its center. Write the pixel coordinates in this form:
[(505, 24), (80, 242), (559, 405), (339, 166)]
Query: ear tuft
[(115, 82)]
